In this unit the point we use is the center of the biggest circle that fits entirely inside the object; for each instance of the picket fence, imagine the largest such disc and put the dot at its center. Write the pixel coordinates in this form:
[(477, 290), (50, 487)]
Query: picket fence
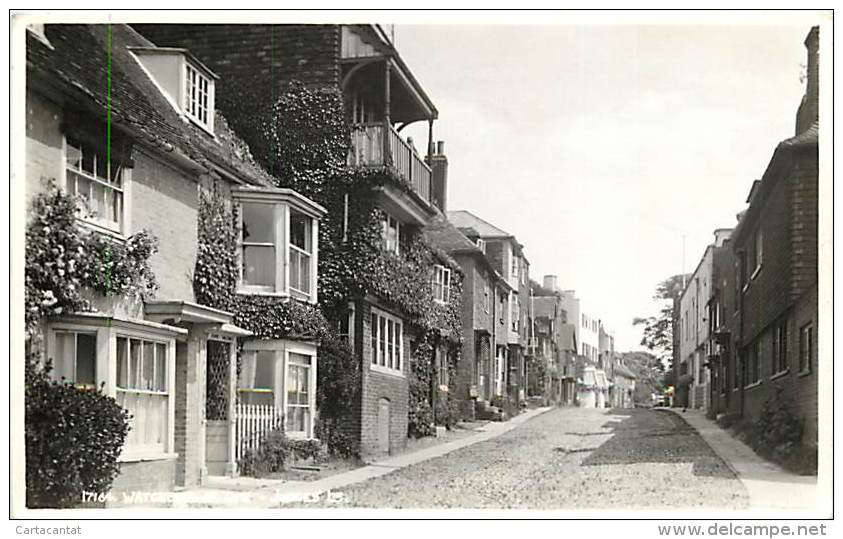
[(253, 421)]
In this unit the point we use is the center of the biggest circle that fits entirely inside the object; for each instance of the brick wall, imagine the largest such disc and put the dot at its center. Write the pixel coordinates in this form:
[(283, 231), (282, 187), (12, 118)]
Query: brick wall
[(768, 294), (376, 386), (165, 202), (803, 226)]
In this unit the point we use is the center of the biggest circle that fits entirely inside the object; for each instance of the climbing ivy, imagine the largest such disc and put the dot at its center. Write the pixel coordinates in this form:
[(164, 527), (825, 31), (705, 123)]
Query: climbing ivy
[(63, 259)]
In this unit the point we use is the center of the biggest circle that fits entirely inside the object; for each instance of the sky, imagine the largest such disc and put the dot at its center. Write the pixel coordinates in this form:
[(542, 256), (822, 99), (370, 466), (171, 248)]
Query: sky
[(601, 147)]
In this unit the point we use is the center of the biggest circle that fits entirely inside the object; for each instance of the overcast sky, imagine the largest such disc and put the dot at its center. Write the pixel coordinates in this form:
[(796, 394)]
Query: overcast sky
[(600, 147)]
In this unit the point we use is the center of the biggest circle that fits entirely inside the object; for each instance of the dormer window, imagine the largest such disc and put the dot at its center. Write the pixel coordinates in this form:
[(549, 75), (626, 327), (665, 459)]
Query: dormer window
[(186, 83), (481, 244), (199, 97)]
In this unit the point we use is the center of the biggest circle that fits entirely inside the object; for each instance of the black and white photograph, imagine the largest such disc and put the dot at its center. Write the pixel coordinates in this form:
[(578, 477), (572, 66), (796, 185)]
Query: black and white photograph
[(428, 264)]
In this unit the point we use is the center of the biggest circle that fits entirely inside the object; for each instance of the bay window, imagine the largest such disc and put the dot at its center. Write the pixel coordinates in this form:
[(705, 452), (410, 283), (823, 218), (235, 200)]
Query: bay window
[(142, 389), (387, 342), (441, 284), (97, 180), (278, 242), (132, 362), (281, 374)]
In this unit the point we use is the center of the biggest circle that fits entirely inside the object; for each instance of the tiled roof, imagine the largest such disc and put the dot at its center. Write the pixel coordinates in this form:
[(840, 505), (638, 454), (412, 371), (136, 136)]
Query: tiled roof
[(466, 219), (78, 63), (445, 235)]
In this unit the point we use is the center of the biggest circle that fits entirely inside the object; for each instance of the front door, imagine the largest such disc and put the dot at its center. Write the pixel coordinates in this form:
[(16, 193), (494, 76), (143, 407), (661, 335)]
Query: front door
[(383, 426)]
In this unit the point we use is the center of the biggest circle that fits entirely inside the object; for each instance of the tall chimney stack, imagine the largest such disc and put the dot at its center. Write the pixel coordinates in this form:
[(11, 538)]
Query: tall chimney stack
[(439, 176), (550, 282), (809, 109)]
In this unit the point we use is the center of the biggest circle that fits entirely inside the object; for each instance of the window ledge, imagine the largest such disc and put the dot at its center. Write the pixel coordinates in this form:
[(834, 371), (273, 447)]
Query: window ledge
[(258, 292), (94, 227), (753, 385), (140, 455), (780, 374), (387, 371), (756, 272), (804, 373)]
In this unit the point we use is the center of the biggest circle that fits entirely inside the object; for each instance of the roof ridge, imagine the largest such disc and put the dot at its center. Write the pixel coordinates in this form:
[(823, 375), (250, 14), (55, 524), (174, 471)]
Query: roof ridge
[(504, 232)]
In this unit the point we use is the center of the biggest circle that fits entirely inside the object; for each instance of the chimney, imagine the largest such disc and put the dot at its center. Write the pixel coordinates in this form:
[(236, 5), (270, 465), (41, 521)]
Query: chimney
[(721, 235), (550, 282), (439, 176), (809, 109)]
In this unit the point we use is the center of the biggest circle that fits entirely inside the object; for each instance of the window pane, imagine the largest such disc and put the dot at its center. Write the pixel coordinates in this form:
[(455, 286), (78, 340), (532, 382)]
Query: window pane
[(374, 328), (390, 362), (382, 339), (122, 362), (63, 358), (265, 370), (299, 270), (258, 222), (86, 357), (160, 367), (134, 364), (73, 154), (259, 265), (300, 231), (148, 366)]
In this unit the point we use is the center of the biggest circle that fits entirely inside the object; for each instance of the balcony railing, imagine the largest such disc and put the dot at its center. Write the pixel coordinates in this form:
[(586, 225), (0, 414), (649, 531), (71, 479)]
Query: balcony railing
[(369, 149)]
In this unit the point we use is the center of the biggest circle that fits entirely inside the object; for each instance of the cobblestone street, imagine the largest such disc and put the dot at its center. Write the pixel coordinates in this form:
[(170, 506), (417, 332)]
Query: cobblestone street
[(566, 458)]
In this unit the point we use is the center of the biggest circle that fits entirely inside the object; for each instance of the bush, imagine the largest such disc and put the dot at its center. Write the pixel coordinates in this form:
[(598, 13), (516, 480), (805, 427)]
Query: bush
[(338, 442), (420, 420), (73, 439), (778, 431), (276, 450), (447, 412)]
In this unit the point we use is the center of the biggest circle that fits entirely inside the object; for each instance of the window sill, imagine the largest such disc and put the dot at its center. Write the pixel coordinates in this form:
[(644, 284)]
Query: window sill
[(778, 375), (94, 227), (387, 371), (259, 292), (755, 273), (140, 455), (804, 373), (752, 385)]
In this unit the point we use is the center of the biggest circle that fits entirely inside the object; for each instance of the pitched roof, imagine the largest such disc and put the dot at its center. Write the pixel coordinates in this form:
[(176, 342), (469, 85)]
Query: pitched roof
[(445, 235), (466, 219), (80, 68)]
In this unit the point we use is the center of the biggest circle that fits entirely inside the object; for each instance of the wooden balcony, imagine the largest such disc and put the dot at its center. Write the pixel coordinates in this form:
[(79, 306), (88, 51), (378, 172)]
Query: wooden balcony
[(369, 148)]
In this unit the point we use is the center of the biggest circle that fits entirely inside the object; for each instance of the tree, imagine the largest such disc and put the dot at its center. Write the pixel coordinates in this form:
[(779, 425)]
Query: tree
[(658, 330)]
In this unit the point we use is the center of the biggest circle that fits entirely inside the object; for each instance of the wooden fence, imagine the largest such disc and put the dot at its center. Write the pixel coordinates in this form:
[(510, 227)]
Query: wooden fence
[(253, 421)]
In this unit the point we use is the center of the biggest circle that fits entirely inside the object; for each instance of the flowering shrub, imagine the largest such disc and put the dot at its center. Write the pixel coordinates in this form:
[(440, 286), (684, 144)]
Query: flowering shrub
[(73, 439), (62, 260)]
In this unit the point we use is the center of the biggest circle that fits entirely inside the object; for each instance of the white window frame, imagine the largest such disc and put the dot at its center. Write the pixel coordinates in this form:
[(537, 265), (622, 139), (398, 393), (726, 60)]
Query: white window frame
[(107, 330), (757, 251), (487, 295), (481, 244), (381, 364), (441, 284), (281, 350), (118, 229), (282, 209), (208, 122)]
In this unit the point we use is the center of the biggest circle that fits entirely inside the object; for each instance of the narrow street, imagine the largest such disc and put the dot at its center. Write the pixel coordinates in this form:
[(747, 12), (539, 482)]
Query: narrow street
[(567, 458)]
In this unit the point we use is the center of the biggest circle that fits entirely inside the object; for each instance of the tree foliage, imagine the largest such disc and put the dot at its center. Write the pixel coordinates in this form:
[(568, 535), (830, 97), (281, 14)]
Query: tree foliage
[(658, 330)]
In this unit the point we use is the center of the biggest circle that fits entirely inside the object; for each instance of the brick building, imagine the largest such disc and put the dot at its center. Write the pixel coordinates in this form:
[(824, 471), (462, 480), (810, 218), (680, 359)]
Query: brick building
[(481, 317), (381, 95), (111, 119), (507, 258), (767, 335)]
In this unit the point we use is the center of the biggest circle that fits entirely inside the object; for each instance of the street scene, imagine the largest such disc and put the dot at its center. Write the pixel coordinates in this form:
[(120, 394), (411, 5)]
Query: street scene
[(280, 265)]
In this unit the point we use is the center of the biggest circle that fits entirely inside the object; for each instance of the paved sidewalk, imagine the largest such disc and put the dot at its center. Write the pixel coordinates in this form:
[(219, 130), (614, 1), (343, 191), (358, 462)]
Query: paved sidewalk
[(227, 492), (770, 487)]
